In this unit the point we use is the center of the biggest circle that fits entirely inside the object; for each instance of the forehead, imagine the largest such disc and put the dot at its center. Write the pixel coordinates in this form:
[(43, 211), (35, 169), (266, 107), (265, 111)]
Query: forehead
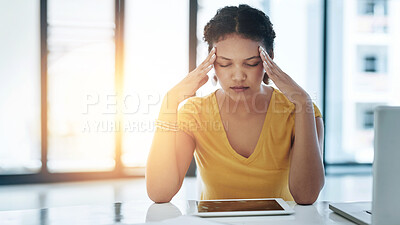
[(236, 47)]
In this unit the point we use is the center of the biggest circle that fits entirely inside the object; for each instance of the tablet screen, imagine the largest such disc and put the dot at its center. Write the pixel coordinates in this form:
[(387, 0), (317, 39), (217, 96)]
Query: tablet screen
[(240, 205)]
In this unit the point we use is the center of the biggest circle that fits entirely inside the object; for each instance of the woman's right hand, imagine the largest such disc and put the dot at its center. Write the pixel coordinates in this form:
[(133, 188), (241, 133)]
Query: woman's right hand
[(194, 80)]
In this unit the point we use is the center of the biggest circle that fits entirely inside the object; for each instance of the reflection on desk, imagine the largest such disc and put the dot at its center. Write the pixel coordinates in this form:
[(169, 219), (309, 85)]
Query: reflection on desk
[(158, 212), (147, 211)]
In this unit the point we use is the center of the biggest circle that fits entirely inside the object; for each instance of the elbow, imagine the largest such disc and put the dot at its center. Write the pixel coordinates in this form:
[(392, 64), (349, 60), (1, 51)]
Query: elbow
[(306, 193), (306, 196), (159, 199), (158, 191), (305, 200), (158, 196)]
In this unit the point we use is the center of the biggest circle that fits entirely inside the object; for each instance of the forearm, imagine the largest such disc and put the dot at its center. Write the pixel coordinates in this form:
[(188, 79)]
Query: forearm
[(306, 177), (162, 176)]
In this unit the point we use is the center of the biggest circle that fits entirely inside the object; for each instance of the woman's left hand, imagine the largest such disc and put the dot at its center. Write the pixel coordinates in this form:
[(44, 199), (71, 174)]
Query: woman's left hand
[(284, 82)]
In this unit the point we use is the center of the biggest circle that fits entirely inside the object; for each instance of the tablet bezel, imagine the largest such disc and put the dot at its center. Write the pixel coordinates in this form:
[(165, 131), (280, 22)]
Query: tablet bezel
[(193, 210)]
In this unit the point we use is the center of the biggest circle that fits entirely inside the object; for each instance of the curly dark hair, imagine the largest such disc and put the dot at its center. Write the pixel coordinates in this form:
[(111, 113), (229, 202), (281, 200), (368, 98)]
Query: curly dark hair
[(244, 20)]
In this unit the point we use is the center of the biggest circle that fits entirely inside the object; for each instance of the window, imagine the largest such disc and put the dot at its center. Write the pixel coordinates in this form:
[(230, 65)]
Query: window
[(81, 118), (365, 116), (85, 114), (20, 87), (156, 59), (372, 7), (370, 63), (372, 59), (371, 16), (362, 72)]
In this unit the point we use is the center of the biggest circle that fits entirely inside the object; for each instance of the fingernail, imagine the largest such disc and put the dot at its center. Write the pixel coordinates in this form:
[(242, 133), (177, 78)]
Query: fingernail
[(263, 52), (213, 49), (213, 56)]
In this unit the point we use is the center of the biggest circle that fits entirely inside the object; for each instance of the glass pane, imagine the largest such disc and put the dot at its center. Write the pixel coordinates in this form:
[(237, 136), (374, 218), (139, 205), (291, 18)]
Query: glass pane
[(20, 87), (81, 95), (300, 57), (156, 58), (363, 55)]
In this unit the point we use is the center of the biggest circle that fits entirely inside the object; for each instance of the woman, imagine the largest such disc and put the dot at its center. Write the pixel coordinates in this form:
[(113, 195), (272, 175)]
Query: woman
[(249, 139)]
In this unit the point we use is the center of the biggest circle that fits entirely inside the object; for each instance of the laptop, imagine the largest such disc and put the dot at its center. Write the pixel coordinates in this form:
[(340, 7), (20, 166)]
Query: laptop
[(386, 178)]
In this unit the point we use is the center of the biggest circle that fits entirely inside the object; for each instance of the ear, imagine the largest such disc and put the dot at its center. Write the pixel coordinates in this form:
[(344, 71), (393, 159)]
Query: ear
[(214, 80), (266, 79), (271, 54)]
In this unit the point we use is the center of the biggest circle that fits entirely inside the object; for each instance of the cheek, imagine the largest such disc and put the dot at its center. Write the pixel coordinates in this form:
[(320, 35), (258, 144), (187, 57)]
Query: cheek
[(223, 76), (259, 72), (220, 72)]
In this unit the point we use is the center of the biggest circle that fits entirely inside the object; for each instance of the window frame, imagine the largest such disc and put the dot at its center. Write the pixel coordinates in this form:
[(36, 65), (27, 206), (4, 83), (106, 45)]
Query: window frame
[(44, 176)]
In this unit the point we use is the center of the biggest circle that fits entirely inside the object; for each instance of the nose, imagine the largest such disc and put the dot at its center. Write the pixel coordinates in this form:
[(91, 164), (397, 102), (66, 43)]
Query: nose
[(238, 74)]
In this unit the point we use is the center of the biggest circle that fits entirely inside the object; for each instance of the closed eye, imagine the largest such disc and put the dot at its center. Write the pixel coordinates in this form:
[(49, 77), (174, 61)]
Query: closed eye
[(253, 65), (247, 64), (226, 65)]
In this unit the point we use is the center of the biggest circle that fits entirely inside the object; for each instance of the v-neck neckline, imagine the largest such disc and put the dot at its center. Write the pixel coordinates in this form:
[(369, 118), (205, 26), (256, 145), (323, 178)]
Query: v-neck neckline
[(261, 137)]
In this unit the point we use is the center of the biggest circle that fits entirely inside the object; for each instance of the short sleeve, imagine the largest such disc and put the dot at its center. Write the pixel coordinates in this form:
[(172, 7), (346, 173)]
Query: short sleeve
[(317, 113), (187, 118)]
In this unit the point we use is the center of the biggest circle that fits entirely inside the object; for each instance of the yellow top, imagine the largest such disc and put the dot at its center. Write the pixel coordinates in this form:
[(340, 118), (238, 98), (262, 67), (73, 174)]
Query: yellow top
[(227, 174)]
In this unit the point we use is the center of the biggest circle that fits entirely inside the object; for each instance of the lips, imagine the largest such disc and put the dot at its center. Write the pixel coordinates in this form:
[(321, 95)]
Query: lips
[(239, 88)]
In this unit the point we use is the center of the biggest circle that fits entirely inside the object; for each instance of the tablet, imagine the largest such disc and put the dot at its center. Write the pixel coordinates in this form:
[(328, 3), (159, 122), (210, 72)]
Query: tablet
[(239, 207)]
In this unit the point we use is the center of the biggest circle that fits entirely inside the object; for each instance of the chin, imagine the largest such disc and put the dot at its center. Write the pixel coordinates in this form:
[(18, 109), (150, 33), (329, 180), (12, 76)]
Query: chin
[(239, 96)]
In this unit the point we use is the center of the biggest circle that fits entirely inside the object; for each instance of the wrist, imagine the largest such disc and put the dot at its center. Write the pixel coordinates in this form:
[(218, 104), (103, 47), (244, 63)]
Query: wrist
[(303, 104), (177, 96), (169, 107), (172, 99), (301, 99)]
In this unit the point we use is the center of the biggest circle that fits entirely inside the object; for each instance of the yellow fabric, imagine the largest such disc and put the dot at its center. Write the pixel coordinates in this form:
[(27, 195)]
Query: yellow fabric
[(227, 174)]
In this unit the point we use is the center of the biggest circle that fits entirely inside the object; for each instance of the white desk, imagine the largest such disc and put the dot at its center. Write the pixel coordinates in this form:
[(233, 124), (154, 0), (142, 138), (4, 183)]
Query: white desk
[(146, 211)]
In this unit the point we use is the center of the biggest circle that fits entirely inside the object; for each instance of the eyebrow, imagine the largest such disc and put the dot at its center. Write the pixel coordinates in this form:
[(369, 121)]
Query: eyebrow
[(250, 58)]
